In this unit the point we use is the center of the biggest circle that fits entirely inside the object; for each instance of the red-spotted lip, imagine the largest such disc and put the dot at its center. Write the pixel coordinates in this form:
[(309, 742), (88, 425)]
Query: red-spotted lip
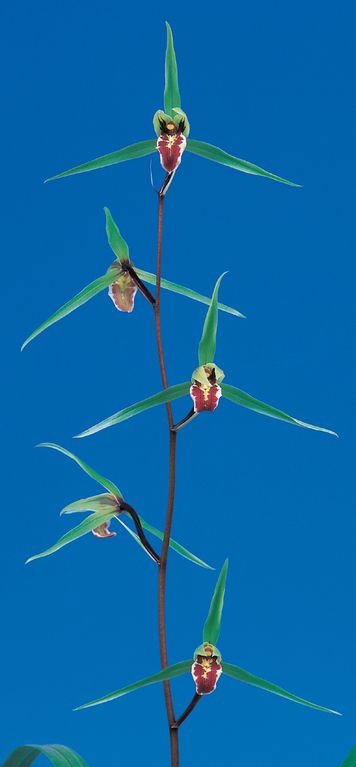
[(206, 673), (171, 148), (205, 398)]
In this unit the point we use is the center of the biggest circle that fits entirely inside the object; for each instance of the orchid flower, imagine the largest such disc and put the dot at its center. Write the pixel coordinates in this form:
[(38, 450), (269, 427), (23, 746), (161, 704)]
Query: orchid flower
[(123, 280), (207, 664), (172, 129), (106, 507), (205, 388)]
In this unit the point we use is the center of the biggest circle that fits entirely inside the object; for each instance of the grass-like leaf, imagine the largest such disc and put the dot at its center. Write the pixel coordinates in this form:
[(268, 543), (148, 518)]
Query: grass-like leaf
[(211, 629), (78, 300), (177, 669), (175, 288), (211, 152), (59, 756), (350, 760), (110, 486), (171, 90), (86, 526), (131, 152), (116, 241), (207, 345), (244, 676), (167, 395)]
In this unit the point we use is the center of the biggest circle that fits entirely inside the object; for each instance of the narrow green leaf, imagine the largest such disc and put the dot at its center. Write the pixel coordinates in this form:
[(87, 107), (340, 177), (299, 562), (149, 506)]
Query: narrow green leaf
[(210, 152), (240, 397), (102, 502), (207, 345), (244, 676), (110, 486), (174, 545), (175, 288), (171, 91), (350, 760), (59, 756), (115, 238), (177, 669), (86, 526), (211, 629), (81, 298), (131, 152), (167, 395)]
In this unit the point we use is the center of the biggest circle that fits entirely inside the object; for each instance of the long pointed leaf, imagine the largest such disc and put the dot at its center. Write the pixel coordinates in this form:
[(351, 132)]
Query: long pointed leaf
[(350, 760), (211, 152), (131, 152), (177, 669), (207, 345), (167, 395), (244, 676), (116, 241), (59, 756), (175, 288), (240, 397), (110, 486), (78, 300), (174, 545), (211, 629), (171, 91), (86, 526)]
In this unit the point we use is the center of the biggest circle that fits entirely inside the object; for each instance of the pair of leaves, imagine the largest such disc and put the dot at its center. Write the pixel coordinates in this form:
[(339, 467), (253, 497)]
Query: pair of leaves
[(211, 633), (104, 508), (58, 755), (171, 102), (120, 249)]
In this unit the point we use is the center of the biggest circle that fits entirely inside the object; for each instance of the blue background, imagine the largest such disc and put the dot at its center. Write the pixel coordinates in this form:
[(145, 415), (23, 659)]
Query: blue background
[(273, 84)]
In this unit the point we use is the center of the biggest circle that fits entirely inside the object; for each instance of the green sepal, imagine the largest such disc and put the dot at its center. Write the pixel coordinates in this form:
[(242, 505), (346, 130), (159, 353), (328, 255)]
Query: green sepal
[(132, 152), (202, 650), (200, 374), (106, 483), (116, 241), (180, 115), (86, 526), (211, 628), (350, 760), (171, 90), (167, 395), (210, 152), (177, 669), (207, 345), (239, 397), (244, 676), (58, 755), (175, 546), (78, 300)]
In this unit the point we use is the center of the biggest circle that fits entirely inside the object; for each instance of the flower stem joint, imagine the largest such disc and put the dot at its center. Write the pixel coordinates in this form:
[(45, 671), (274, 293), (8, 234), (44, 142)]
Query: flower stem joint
[(206, 668), (205, 390)]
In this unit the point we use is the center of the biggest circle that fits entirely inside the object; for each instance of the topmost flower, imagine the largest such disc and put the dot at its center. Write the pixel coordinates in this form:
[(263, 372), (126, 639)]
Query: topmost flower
[(172, 129)]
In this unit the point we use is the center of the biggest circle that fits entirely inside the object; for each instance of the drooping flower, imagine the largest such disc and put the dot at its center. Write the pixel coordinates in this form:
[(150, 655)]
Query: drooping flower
[(206, 668)]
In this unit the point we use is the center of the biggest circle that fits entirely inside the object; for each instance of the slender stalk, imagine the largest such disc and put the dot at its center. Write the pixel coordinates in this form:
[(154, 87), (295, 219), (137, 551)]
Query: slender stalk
[(162, 569), (136, 519), (194, 702)]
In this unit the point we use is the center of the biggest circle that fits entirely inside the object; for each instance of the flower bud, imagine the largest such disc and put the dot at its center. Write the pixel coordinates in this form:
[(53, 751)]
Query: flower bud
[(206, 668), (205, 390)]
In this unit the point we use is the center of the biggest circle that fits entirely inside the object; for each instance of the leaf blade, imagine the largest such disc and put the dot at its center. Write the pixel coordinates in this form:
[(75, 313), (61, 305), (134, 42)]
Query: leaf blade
[(214, 153), (167, 395), (60, 756), (177, 669), (244, 676), (131, 152), (74, 303), (116, 241), (207, 344), (110, 486), (184, 291), (211, 628), (239, 397), (171, 89)]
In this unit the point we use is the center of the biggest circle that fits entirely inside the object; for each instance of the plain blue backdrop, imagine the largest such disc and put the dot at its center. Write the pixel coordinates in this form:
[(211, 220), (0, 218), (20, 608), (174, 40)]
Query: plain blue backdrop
[(272, 83)]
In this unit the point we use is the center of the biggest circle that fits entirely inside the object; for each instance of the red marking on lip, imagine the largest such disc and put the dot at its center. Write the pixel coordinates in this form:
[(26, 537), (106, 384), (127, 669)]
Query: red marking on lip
[(171, 148), (206, 672), (206, 399)]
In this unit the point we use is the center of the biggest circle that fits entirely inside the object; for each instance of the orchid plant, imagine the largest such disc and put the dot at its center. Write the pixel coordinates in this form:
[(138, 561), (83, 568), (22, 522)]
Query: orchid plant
[(206, 387)]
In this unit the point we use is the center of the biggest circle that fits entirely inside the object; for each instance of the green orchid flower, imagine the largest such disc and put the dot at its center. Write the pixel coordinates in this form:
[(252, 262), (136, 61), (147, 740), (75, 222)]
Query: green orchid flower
[(207, 664), (123, 279), (172, 129), (105, 508), (205, 388)]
